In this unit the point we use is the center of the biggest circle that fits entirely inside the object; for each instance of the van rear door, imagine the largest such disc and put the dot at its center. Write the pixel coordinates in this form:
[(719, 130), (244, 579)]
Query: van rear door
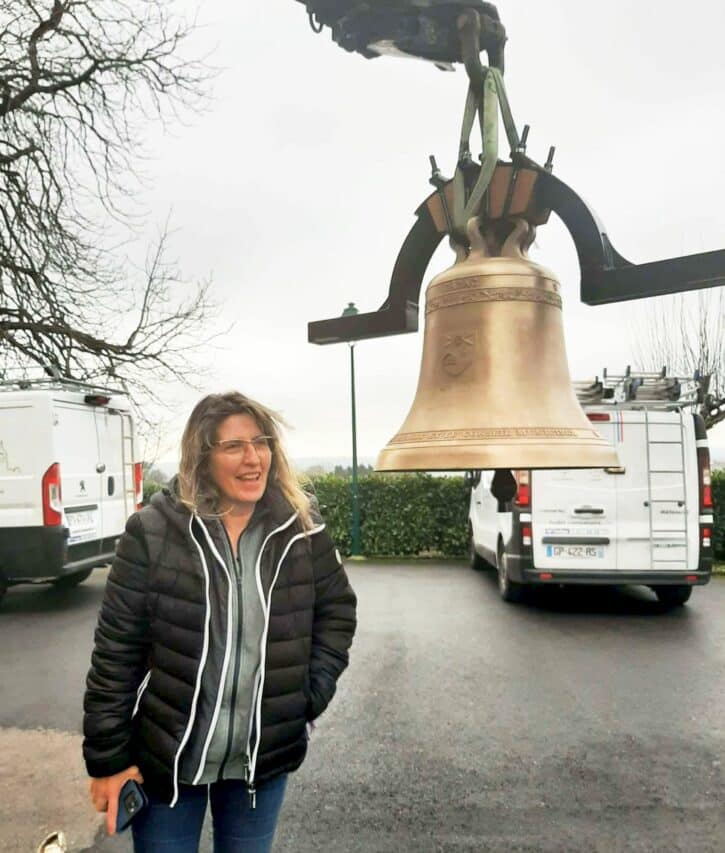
[(76, 446), (114, 478), (574, 514), (652, 512)]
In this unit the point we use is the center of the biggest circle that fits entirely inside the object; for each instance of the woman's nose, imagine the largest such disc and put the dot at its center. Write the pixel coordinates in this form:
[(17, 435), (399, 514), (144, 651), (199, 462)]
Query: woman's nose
[(250, 452)]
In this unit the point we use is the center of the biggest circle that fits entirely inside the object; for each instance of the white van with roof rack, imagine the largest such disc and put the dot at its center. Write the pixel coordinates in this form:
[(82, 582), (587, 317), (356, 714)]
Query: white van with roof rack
[(69, 478), (648, 521)]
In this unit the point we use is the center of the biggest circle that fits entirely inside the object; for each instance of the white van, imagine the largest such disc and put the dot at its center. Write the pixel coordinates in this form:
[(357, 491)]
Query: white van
[(69, 479), (648, 521)]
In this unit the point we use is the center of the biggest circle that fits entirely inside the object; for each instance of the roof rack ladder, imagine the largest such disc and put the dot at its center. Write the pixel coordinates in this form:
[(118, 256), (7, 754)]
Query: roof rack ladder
[(685, 508), (679, 532), (127, 462), (649, 492)]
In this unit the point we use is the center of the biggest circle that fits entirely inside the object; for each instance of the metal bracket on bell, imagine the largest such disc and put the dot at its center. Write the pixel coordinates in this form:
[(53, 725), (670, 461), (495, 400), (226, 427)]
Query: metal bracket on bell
[(606, 276)]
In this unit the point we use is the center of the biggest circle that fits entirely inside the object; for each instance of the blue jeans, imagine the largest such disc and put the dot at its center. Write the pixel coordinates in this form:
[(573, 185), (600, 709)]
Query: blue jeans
[(237, 827)]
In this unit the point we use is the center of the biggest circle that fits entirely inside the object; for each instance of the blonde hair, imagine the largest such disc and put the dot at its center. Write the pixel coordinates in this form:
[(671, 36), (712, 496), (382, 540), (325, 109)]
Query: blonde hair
[(196, 489)]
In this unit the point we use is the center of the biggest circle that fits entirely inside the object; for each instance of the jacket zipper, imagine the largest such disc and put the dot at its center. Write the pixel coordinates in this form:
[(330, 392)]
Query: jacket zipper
[(202, 661), (225, 662), (237, 659), (263, 660)]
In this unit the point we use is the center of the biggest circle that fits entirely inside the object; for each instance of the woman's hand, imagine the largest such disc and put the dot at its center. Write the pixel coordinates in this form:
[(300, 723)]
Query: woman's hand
[(104, 794)]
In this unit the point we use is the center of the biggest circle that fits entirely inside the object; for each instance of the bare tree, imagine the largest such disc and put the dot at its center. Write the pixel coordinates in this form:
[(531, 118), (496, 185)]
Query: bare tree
[(686, 334), (79, 80)]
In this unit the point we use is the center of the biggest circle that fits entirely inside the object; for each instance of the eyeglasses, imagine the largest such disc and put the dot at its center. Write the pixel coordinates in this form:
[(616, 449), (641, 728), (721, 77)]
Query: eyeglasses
[(238, 446)]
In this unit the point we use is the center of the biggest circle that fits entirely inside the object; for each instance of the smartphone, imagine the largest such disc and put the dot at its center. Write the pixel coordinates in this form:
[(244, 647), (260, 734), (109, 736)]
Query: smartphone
[(131, 799)]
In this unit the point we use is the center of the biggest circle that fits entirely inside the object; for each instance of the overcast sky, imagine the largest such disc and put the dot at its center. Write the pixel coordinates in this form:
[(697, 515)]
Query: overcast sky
[(297, 187)]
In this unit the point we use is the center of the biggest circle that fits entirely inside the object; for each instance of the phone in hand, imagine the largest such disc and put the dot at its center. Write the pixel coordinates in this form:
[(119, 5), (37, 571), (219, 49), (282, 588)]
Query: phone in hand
[(131, 799)]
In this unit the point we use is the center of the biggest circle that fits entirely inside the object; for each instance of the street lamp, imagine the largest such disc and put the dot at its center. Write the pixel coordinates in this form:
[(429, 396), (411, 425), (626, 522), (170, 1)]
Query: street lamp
[(355, 527)]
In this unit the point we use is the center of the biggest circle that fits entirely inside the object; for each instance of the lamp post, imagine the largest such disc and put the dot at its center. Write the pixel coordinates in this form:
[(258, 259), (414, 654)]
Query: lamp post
[(355, 526)]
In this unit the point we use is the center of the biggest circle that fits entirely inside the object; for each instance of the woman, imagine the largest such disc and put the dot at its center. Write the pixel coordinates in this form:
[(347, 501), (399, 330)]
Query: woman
[(226, 622)]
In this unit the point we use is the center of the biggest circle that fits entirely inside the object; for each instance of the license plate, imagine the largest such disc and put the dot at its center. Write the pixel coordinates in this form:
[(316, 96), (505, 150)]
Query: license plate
[(82, 525), (575, 552)]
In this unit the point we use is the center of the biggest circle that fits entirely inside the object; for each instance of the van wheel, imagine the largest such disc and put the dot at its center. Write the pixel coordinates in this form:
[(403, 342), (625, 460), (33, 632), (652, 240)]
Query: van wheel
[(673, 596), (3, 588), (511, 591), (477, 562), (69, 581)]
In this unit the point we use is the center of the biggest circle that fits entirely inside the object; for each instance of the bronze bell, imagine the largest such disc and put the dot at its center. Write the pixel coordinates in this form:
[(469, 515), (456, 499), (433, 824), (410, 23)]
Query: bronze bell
[(494, 389)]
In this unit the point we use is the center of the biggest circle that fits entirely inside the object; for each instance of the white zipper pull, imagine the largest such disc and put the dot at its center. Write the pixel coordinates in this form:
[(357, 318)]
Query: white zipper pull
[(251, 789)]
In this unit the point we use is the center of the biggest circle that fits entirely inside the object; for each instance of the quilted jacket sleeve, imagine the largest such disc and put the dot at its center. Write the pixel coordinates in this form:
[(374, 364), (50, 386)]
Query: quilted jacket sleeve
[(333, 624), (119, 659)]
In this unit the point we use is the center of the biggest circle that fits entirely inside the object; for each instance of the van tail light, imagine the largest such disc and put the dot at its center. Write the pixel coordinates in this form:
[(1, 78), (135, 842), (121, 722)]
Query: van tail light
[(526, 535), (523, 488), (598, 416), (703, 471), (138, 483), (705, 537), (52, 501)]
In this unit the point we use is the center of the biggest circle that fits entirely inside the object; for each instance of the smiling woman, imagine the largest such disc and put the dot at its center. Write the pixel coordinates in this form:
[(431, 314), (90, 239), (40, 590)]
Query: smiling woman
[(225, 625)]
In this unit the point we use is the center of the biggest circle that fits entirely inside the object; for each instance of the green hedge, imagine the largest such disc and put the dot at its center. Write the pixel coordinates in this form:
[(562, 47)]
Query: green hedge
[(400, 515), (718, 499), (149, 489)]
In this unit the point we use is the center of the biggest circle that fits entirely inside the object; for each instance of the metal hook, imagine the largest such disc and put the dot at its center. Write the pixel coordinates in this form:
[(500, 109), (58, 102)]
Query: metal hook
[(316, 26), (469, 32)]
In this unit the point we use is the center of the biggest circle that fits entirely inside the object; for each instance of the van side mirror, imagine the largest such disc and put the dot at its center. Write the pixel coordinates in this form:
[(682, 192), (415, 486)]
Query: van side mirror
[(503, 486)]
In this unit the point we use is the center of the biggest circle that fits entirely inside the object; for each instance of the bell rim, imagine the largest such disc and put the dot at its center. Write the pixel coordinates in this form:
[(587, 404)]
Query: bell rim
[(534, 456)]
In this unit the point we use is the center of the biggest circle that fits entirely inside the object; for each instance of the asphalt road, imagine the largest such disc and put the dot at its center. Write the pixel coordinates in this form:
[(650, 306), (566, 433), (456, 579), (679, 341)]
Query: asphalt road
[(585, 720)]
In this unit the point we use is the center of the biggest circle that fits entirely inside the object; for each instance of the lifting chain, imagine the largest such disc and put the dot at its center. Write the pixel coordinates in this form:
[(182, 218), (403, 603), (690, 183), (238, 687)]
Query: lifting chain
[(486, 95)]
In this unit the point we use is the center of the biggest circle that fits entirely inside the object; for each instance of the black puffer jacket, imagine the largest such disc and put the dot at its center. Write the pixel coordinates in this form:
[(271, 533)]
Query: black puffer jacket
[(152, 641)]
